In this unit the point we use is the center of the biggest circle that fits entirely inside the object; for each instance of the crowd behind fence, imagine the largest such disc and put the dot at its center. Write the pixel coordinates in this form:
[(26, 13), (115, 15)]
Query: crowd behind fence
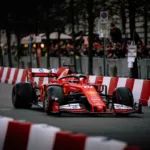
[(113, 50)]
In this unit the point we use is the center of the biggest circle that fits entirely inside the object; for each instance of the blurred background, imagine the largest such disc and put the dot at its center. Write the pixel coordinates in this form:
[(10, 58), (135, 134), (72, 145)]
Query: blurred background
[(93, 34)]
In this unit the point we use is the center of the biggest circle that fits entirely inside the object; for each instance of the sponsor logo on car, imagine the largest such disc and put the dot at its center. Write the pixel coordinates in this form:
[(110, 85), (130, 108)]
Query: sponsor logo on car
[(91, 92), (41, 70), (75, 107)]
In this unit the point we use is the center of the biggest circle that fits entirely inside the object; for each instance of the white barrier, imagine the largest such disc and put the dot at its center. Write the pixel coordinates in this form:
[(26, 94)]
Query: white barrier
[(28, 136)]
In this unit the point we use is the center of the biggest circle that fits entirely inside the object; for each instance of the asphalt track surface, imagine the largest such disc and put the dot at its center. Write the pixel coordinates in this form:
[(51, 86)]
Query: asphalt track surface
[(135, 129)]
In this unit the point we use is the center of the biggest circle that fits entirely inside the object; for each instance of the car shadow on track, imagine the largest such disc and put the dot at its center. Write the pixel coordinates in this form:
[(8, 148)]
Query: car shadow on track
[(94, 116), (68, 115), (37, 109)]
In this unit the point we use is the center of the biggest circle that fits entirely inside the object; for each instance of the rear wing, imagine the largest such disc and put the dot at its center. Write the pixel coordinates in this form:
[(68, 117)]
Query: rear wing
[(42, 72), (39, 70)]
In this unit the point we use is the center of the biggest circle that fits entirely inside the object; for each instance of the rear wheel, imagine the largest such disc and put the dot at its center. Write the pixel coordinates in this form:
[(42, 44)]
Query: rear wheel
[(22, 95), (53, 94)]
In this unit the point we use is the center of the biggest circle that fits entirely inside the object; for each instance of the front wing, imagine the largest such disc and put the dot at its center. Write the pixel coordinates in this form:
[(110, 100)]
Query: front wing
[(84, 111), (79, 109)]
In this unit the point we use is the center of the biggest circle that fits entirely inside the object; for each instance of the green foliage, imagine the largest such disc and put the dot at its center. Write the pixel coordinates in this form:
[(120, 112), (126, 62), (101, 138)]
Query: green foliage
[(55, 14)]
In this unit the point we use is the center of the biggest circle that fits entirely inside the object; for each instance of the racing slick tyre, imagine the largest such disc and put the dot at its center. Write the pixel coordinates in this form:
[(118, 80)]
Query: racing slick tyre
[(22, 95), (123, 96), (54, 94)]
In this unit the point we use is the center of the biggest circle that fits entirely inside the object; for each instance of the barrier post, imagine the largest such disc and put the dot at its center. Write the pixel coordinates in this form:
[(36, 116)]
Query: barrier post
[(115, 71), (78, 65), (107, 69), (22, 65), (104, 60), (1, 53), (29, 65), (1, 57), (100, 70), (30, 49), (139, 68), (147, 72)]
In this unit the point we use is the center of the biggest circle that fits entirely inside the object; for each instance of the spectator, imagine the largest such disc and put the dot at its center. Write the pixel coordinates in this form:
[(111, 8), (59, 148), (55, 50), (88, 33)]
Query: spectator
[(115, 34)]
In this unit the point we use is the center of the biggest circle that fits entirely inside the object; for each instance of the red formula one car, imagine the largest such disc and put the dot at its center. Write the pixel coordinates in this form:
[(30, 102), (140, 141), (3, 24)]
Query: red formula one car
[(67, 92), (73, 94)]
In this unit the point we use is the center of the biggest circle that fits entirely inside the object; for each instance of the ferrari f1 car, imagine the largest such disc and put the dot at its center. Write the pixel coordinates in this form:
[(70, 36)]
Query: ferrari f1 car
[(71, 93)]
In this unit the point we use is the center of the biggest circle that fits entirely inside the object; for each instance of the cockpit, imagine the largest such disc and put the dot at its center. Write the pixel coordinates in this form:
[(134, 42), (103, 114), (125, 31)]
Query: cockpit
[(74, 78)]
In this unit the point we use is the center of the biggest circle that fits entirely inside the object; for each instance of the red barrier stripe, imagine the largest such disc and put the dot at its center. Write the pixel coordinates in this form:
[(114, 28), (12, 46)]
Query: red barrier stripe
[(1, 73), (77, 142), (24, 76), (130, 83), (98, 79), (15, 76), (17, 136), (88, 77), (145, 92), (8, 75), (62, 141), (112, 85), (73, 141), (132, 148)]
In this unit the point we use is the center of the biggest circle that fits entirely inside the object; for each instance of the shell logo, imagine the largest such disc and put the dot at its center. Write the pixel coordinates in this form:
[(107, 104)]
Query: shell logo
[(91, 92)]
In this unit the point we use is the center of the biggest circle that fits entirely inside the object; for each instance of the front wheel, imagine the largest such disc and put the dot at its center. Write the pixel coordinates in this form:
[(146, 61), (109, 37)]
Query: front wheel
[(54, 97), (123, 101)]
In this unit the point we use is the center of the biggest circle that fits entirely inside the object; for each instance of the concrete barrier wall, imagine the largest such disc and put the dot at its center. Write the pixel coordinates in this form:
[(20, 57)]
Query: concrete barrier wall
[(21, 135)]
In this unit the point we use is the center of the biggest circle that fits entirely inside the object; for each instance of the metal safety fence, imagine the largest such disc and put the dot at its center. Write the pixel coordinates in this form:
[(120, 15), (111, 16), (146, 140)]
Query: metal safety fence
[(114, 67)]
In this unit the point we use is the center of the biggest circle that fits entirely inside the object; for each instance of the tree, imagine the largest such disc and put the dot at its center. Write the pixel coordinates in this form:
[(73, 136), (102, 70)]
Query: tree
[(90, 28), (8, 34), (72, 3), (54, 19), (16, 24), (145, 20), (47, 37)]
